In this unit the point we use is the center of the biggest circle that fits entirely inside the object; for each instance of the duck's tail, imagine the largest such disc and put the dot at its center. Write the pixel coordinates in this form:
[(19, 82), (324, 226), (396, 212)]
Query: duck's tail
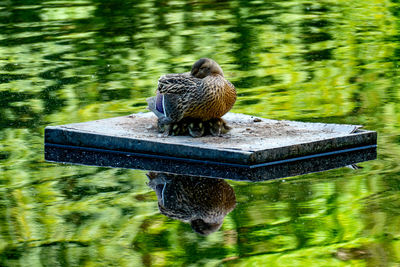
[(165, 107), (156, 105)]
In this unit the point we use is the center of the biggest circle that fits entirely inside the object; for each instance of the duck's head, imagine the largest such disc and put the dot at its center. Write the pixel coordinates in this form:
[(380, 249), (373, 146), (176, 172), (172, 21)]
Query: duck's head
[(204, 228), (205, 67)]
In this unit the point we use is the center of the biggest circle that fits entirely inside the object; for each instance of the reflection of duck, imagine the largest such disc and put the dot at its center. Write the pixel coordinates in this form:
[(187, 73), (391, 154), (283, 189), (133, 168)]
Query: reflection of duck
[(202, 94), (203, 202)]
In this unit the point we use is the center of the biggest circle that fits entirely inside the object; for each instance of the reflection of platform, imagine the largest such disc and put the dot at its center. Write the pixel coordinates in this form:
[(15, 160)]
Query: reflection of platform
[(253, 150)]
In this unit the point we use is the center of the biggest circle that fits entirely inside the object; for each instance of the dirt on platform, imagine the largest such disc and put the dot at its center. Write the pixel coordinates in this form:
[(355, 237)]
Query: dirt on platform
[(246, 131)]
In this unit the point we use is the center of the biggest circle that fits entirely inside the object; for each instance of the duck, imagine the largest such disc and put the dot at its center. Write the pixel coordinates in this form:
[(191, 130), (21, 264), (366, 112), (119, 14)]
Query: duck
[(201, 95)]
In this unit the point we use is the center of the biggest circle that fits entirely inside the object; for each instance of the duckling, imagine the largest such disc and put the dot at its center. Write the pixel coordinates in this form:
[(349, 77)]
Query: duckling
[(215, 127), (176, 128), (203, 93), (196, 127), (218, 126)]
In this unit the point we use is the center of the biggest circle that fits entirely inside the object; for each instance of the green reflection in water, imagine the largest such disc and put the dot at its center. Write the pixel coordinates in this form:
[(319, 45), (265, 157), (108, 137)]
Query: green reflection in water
[(62, 62)]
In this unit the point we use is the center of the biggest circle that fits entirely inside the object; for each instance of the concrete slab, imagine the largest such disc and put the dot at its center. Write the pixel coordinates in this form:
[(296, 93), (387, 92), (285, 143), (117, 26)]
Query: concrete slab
[(251, 142)]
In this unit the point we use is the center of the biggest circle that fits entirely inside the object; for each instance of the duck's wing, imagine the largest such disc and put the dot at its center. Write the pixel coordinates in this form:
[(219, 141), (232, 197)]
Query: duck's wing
[(178, 84), (173, 92)]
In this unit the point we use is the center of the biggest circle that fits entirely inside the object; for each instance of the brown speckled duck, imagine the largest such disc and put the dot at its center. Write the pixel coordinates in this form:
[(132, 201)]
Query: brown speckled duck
[(203, 94)]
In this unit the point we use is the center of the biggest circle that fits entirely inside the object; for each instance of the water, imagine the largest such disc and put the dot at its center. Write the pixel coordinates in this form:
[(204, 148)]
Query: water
[(72, 61)]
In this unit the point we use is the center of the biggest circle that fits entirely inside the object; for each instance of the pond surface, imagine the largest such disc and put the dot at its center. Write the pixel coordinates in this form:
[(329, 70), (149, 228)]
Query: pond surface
[(73, 61)]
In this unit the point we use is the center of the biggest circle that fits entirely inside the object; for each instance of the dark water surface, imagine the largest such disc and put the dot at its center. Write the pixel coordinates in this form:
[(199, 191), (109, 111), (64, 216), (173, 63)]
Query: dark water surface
[(73, 61)]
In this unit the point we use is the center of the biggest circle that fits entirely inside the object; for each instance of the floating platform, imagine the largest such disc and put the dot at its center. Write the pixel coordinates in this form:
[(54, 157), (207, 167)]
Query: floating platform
[(255, 149)]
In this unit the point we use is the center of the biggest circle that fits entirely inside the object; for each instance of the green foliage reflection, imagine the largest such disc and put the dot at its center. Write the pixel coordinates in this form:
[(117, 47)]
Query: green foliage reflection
[(329, 61)]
